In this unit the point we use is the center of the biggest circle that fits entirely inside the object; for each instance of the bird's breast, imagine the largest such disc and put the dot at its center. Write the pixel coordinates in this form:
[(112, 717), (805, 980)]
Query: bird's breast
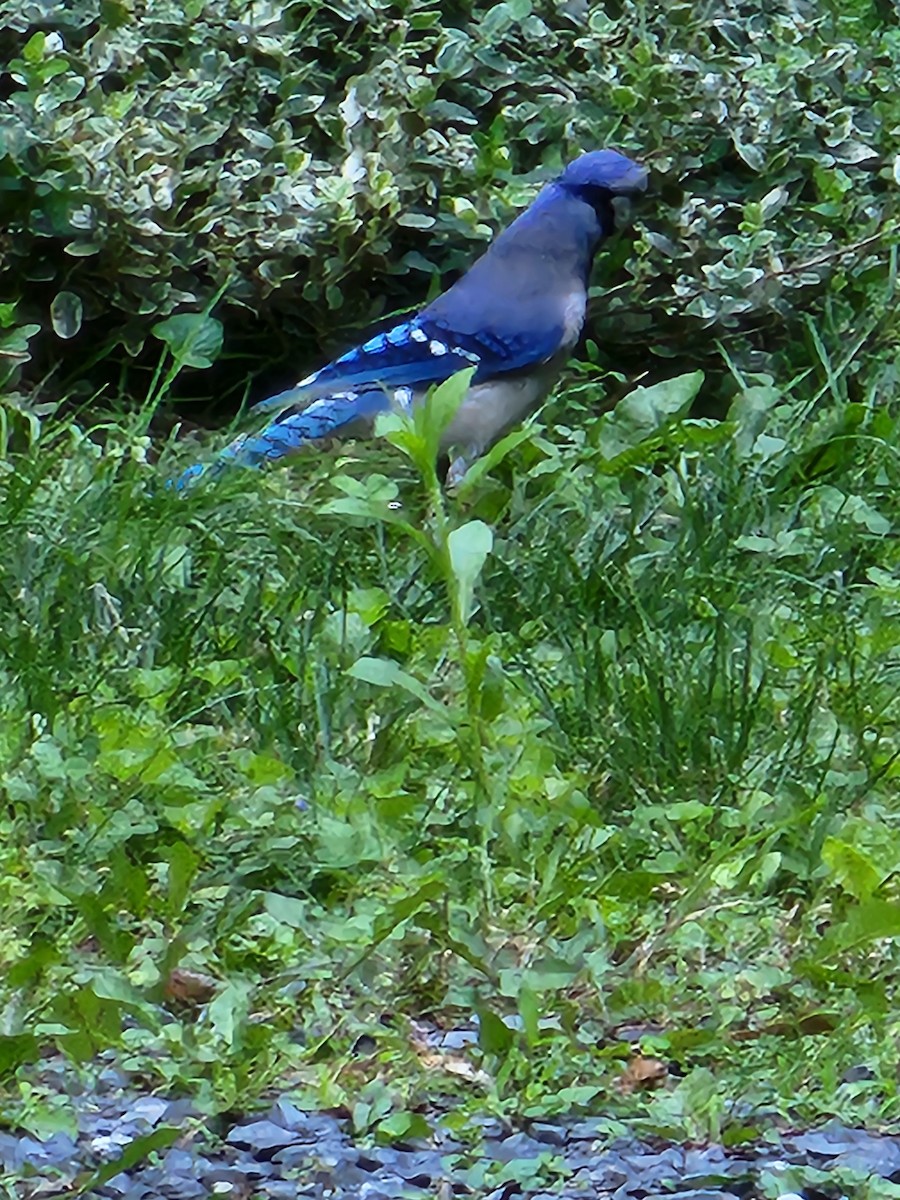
[(574, 309), (490, 409)]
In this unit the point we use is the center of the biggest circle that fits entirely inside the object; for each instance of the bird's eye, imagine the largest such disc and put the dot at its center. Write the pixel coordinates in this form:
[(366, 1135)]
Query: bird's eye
[(622, 211)]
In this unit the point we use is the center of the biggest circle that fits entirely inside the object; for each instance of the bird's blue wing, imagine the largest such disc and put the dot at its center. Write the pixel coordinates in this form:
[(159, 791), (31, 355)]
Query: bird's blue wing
[(417, 354)]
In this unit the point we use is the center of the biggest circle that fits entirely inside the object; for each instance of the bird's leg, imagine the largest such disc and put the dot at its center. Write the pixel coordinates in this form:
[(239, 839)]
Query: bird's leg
[(458, 466)]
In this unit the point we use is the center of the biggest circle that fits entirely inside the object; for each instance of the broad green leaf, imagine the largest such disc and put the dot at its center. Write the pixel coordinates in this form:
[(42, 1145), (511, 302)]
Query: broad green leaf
[(439, 408), (66, 313), (383, 672), (33, 50), (227, 1012), (376, 488), (579, 1096), (419, 434), (110, 985), (371, 603), (646, 411), (16, 1049), (183, 862), (42, 954), (548, 974), (401, 1126), (376, 497), (287, 910), (529, 1011), (370, 510), (853, 870), (868, 922), (469, 546), (82, 249), (14, 344), (193, 339), (494, 1035), (438, 926), (495, 455)]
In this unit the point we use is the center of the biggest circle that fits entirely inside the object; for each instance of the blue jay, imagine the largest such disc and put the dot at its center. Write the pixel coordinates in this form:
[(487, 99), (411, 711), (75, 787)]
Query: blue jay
[(515, 317)]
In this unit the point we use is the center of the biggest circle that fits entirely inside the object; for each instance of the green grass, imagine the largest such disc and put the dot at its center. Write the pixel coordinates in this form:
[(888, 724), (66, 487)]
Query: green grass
[(609, 742)]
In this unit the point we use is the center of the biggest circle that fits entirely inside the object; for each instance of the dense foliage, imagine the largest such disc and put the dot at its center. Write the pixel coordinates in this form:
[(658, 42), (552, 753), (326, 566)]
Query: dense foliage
[(611, 743), (318, 163), (608, 744)]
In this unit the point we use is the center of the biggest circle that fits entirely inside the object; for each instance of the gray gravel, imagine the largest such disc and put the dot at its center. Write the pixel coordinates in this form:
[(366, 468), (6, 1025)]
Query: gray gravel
[(287, 1153)]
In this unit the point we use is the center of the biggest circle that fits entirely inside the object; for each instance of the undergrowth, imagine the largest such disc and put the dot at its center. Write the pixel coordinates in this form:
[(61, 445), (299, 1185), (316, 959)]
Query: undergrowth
[(602, 751)]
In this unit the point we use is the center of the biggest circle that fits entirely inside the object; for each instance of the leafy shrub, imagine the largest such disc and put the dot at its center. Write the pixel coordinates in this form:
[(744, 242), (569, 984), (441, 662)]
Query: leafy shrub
[(324, 162)]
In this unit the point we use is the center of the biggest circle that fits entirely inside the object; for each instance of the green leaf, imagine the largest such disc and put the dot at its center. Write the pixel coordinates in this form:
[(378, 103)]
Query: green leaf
[(868, 922), (439, 408), (193, 339), (469, 546), (227, 1012), (25, 970), (383, 672), (400, 1126), (132, 1153), (375, 497), (16, 1049), (647, 410), (66, 312), (287, 910), (386, 922), (33, 50), (486, 463), (529, 1011), (82, 249), (14, 344), (183, 863), (419, 435), (578, 1096), (110, 985), (494, 1035), (853, 870), (114, 14)]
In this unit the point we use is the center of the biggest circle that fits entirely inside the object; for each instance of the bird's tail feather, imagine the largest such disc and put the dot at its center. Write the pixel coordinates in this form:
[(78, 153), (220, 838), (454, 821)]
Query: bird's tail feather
[(344, 414)]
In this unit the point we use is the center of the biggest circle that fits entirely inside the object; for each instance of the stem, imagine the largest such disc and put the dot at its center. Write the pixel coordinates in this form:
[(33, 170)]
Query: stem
[(471, 741)]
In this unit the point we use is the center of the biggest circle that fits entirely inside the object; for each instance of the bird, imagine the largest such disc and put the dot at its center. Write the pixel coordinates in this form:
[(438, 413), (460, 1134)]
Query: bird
[(513, 318)]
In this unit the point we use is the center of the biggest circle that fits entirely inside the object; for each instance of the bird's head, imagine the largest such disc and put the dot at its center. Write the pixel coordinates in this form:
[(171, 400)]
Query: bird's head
[(604, 171), (607, 181)]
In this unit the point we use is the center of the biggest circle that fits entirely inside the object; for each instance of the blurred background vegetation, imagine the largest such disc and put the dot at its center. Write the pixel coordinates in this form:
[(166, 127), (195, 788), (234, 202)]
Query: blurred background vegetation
[(608, 746)]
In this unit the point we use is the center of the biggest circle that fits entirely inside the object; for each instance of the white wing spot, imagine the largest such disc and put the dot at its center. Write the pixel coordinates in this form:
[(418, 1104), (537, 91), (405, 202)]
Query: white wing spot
[(326, 401), (403, 396), (466, 354), (418, 335), (437, 348)]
